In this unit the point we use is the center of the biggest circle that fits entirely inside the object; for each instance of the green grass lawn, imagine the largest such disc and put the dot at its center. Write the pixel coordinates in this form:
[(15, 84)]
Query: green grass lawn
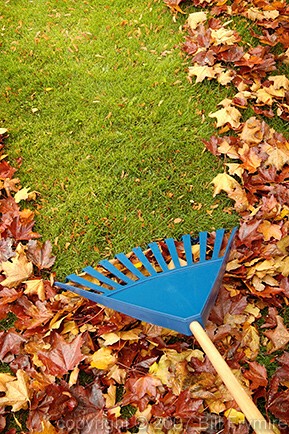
[(97, 103)]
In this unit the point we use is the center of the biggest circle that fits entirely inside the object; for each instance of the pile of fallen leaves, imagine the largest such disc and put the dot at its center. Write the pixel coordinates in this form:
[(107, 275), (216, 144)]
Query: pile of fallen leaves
[(71, 366)]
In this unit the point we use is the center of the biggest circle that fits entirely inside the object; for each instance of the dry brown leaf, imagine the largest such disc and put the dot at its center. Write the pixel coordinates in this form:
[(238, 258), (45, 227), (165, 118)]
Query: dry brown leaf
[(251, 160), (270, 230), (251, 342), (252, 131), (279, 337)]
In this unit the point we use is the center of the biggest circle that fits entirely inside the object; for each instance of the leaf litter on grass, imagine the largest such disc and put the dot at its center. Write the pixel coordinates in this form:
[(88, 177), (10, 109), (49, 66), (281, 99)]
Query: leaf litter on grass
[(168, 385)]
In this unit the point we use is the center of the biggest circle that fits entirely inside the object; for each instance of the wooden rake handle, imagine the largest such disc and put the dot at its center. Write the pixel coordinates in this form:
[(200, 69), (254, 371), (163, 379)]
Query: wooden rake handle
[(251, 412)]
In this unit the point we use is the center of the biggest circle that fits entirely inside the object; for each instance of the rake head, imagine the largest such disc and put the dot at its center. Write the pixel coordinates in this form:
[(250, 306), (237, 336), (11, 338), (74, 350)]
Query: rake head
[(170, 284)]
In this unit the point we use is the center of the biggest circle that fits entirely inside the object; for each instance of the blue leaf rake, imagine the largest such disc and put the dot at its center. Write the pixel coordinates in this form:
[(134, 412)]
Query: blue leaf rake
[(173, 285)]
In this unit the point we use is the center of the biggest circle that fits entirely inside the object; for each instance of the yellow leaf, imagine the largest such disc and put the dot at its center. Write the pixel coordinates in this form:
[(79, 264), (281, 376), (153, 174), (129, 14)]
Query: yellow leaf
[(224, 36), (110, 396), (226, 77), (252, 131), (234, 416), (252, 310), (224, 182), (115, 411), (70, 327), (280, 81), (227, 149), (258, 14), (282, 265), (169, 370), (16, 394), (73, 376), (47, 428), (36, 287), (277, 156), (57, 320), (112, 338), (117, 374), (130, 335), (225, 115), (216, 405), (17, 270), (283, 245), (263, 96), (278, 93), (161, 370), (235, 169), (103, 359), (21, 194), (4, 379), (202, 72), (196, 18), (251, 342)]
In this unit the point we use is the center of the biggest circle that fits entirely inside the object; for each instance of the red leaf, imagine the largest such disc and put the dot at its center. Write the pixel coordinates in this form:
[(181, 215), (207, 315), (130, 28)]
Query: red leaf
[(63, 356), (40, 254), (31, 315), (186, 406), (270, 319), (279, 406), (21, 229), (146, 385), (6, 171), (257, 374), (141, 390), (10, 342), (282, 372), (8, 295), (9, 210), (76, 409), (227, 304), (279, 336)]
